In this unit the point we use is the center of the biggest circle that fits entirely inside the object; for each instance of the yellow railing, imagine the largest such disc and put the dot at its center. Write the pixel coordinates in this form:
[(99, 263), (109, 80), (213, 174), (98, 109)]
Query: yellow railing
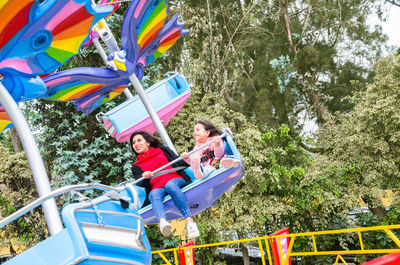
[(387, 229)]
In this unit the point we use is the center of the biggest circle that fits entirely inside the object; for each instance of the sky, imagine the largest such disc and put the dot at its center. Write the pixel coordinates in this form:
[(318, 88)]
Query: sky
[(391, 27)]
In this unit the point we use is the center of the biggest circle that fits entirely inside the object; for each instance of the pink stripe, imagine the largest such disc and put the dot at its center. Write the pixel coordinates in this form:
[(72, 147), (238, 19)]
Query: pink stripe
[(18, 64), (142, 60), (169, 34), (65, 12), (147, 125), (139, 8), (107, 124), (83, 105), (57, 81)]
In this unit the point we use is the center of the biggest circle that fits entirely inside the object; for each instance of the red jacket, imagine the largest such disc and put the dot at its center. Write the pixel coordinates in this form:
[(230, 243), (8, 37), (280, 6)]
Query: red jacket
[(150, 161)]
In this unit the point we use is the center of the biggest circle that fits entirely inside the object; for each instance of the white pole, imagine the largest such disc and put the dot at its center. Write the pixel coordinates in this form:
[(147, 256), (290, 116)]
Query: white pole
[(100, 49), (35, 160), (153, 114)]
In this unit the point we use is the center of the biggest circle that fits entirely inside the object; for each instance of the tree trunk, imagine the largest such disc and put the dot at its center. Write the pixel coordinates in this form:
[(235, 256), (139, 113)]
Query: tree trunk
[(379, 210), (245, 252), (15, 140)]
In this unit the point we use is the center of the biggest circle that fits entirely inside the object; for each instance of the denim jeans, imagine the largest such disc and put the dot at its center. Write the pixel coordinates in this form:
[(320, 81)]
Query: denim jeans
[(173, 188)]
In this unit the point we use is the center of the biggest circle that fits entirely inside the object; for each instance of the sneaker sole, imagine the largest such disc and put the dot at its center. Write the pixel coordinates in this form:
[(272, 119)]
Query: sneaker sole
[(167, 231)]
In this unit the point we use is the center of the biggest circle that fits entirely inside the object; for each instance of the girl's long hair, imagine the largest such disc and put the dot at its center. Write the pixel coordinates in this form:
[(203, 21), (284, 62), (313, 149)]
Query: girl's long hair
[(209, 126), (153, 141)]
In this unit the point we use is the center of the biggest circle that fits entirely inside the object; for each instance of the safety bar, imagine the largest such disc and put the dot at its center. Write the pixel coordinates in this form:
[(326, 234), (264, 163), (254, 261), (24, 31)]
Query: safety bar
[(180, 158), (54, 193)]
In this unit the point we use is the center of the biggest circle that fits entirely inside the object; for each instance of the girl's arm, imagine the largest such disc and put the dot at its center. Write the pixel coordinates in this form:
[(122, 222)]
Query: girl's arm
[(219, 150)]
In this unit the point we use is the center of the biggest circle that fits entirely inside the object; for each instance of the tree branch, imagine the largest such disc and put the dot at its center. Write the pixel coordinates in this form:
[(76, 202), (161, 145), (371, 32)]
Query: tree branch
[(393, 3)]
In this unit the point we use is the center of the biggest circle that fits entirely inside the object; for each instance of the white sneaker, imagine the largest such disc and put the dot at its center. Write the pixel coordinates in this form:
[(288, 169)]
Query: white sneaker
[(165, 228), (192, 230)]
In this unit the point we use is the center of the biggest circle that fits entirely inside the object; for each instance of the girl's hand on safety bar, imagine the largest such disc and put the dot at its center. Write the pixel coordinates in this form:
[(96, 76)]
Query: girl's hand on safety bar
[(184, 155), (147, 174), (217, 141)]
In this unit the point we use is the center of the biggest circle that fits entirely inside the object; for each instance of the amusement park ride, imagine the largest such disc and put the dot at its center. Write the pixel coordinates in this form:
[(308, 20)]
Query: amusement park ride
[(36, 38)]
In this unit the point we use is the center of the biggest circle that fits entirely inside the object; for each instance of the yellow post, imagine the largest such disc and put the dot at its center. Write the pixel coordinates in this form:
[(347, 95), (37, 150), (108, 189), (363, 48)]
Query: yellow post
[(268, 251), (360, 238), (261, 252), (176, 257)]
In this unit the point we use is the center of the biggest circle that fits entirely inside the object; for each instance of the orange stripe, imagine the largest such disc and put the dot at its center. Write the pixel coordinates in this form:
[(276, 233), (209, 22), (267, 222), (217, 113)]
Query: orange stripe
[(170, 42), (81, 28), (4, 116), (157, 28), (120, 89), (10, 10), (85, 92)]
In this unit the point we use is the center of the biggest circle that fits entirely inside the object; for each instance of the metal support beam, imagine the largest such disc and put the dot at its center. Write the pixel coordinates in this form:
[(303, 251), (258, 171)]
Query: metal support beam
[(35, 160), (100, 49), (153, 114)]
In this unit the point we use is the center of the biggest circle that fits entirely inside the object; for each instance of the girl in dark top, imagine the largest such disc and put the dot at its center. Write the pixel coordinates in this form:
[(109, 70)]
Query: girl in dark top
[(151, 154)]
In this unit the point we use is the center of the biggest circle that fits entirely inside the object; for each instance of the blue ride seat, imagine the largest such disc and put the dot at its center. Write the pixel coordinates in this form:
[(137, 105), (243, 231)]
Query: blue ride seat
[(201, 193), (106, 230)]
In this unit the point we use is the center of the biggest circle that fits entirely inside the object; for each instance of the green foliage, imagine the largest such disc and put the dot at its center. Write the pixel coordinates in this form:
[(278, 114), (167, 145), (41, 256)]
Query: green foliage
[(284, 75), (368, 137), (158, 241), (16, 190), (232, 43)]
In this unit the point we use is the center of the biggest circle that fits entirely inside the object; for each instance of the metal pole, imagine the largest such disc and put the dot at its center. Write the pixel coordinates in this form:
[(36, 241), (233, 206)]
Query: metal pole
[(35, 160), (153, 114), (54, 193), (100, 49)]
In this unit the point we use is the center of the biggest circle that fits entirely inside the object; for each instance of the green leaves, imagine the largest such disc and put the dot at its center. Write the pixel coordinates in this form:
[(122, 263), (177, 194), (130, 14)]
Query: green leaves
[(16, 190)]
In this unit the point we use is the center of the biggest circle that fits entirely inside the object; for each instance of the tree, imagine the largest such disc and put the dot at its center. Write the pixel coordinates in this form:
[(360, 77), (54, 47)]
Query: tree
[(368, 137), (276, 181), (327, 43), (16, 190)]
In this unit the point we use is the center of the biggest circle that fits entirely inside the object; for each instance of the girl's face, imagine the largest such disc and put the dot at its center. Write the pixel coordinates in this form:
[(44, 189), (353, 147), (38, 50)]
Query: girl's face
[(139, 144), (200, 134)]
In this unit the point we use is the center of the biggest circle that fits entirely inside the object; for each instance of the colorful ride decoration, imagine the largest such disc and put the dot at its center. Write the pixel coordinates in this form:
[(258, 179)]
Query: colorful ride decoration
[(94, 33), (145, 36), (37, 37), (5, 122)]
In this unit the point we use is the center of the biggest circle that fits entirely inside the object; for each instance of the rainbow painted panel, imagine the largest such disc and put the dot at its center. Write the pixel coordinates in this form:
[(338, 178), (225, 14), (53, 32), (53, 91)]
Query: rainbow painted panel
[(145, 36), (144, 32), (88, 87), (14, 16), (166, 42), (152, 23), (38, 38), (5, 122)]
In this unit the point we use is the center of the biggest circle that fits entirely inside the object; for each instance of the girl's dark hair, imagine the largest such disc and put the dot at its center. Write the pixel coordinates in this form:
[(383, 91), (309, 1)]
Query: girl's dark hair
[(154, 142), (209, 126)]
